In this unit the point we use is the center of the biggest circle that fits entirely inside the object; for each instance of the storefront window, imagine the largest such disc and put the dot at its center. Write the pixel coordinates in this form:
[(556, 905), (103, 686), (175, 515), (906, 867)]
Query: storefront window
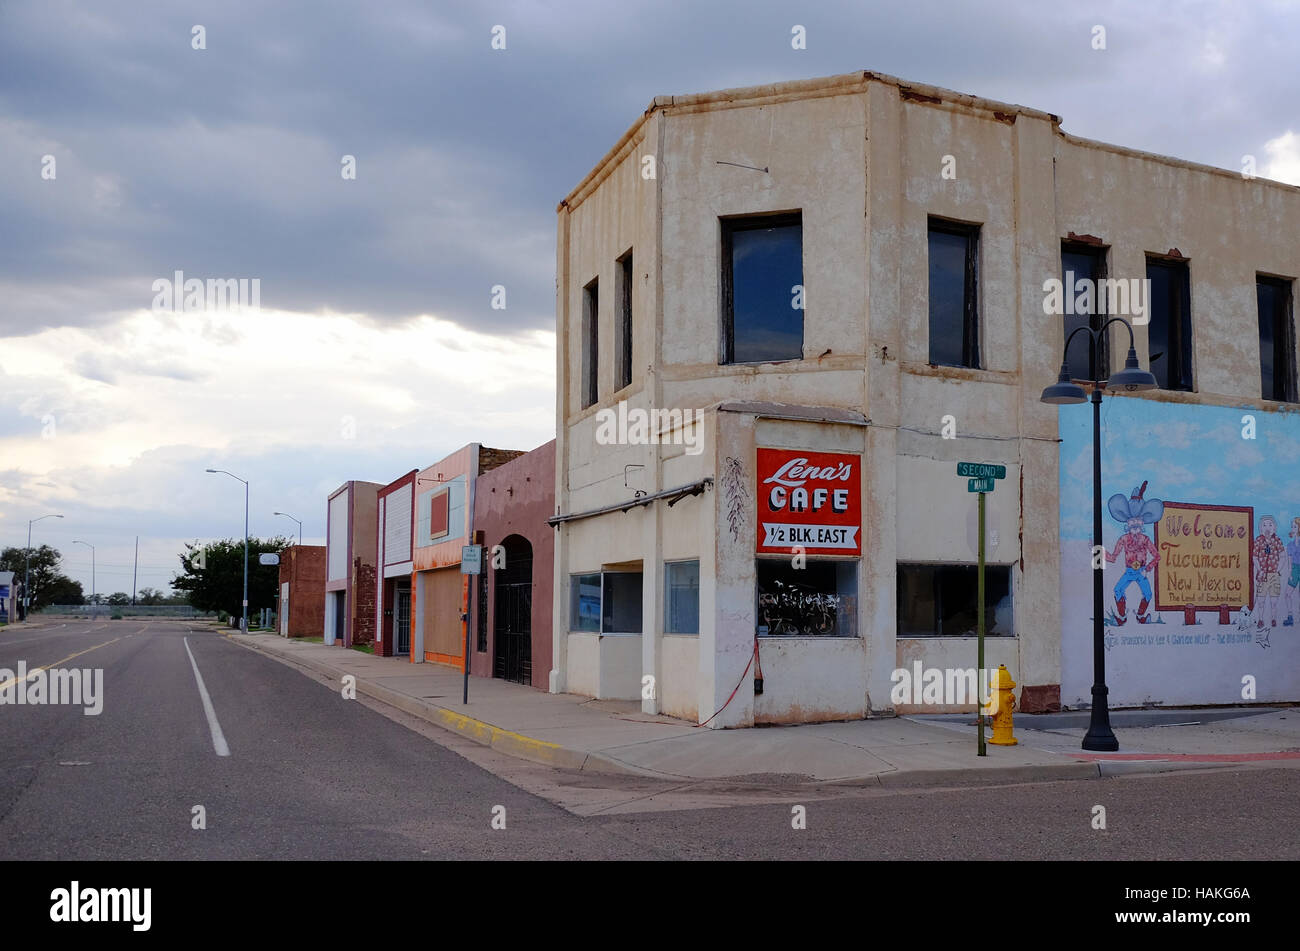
[(942, 600), (821, 598), (584, 602), (682, 597), (621, 607), (605, 602)]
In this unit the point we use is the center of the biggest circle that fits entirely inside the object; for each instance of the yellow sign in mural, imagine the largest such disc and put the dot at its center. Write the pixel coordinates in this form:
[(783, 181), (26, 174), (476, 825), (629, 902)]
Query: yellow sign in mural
[(1205, 557)]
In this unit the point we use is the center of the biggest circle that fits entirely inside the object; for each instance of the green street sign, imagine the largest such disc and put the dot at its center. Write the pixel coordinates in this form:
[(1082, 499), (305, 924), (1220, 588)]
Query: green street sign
[(979, 485), (981, 470)]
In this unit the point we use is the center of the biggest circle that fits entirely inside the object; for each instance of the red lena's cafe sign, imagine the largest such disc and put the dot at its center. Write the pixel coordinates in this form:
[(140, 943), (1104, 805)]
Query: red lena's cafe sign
[(810, 500)]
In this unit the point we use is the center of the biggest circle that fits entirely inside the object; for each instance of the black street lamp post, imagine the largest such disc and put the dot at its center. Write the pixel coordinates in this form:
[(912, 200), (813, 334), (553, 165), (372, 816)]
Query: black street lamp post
[(1100, 737)]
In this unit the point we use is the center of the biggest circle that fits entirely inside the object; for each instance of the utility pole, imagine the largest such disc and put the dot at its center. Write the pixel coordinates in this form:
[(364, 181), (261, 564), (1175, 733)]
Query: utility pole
[(27, 565), (135, 568), (92, 571), (243, 621), (299, 521)]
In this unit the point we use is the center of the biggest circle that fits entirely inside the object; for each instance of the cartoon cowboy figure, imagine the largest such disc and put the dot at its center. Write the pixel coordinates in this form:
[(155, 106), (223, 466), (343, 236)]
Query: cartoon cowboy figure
[(1139, 552)]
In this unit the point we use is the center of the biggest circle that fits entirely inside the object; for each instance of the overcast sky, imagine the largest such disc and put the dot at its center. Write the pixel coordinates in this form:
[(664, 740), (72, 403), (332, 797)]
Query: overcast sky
[(376, 350)]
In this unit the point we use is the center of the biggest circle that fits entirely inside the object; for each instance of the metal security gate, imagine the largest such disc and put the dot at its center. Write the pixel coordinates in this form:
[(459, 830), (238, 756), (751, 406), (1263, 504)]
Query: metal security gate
[(513, 609), (403, 620)]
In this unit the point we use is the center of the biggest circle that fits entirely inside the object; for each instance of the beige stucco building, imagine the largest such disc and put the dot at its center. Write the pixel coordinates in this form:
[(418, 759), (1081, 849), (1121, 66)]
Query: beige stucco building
[(925, 225)]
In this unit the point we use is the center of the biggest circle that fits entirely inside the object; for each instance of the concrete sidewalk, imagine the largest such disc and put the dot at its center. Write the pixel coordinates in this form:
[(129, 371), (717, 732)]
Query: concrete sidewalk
[(610, 736)]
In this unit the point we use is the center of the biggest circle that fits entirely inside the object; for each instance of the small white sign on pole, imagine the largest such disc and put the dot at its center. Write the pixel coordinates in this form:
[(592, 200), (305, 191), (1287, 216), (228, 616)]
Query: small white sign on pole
[(471, 559)]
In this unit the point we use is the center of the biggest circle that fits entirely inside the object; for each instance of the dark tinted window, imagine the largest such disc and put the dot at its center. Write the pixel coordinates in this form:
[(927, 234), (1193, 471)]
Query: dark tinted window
[(954, 312), (1170, 331), (624, 321), (1084, 264), (763, 266), (940, 600), (621, 603), (590, 343), (1276, 339)]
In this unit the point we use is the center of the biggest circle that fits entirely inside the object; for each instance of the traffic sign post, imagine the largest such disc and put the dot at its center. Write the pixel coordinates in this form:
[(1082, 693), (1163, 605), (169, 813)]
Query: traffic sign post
[(471, 564), (979, 666), (980, 477)]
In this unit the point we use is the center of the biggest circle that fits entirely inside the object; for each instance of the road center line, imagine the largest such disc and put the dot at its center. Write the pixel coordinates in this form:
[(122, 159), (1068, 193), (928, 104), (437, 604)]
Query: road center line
[(218, 738), (33, 672)]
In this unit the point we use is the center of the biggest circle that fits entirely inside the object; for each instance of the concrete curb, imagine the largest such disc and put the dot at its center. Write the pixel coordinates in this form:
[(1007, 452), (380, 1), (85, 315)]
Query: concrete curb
[(546, 753), (989, 775)]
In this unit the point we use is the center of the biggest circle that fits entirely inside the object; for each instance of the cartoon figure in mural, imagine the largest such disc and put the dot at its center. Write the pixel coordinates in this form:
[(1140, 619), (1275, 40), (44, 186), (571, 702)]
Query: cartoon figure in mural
[(1268, 555), (1140, 555), (1291, 593)]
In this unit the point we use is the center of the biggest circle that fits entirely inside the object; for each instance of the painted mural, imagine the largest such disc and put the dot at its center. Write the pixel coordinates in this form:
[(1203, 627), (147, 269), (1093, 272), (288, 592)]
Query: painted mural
[(1201, 561)]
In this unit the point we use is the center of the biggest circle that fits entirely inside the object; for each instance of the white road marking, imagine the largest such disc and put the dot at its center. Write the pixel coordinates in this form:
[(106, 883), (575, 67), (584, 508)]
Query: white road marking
[(218, 738)]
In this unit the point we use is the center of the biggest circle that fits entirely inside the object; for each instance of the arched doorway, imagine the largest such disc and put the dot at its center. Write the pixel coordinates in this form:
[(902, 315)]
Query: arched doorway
[(513, 613)]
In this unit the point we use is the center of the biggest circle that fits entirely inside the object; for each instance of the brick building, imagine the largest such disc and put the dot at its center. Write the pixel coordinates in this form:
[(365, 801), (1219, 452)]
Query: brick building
[(350, 585), (302, 591)]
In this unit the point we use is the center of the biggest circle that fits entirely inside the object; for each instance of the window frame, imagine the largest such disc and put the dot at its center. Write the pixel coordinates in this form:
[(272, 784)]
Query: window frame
[(600, 623), (938, 602), (853, 563), (668, 590), (1183, 362), (623, 278), (1101, 253), (1284, 344), (972, 351), (728, 226), (589, 378)]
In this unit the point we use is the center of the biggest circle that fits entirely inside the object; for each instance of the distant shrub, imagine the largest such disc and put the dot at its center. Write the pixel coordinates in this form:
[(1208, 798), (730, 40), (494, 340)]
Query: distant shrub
[(116, 617)]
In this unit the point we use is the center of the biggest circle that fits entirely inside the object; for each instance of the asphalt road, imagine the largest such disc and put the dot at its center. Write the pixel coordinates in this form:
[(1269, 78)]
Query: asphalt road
[(311, 775)]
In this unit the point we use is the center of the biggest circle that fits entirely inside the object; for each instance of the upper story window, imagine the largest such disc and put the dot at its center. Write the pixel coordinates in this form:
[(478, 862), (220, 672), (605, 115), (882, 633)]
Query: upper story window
[(590, 343), (1276, 339), (1083, 271), (624, 290), (1169, 333), (762, 289), (954, 294)]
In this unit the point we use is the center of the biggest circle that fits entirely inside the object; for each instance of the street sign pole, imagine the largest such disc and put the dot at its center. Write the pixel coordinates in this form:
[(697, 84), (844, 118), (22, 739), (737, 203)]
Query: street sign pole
[(981, 477), (980, 630), (471, 565), (465, 696)]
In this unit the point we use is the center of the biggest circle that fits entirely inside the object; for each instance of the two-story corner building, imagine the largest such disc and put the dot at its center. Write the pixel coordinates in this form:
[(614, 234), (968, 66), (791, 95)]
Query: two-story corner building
[(786, 313)]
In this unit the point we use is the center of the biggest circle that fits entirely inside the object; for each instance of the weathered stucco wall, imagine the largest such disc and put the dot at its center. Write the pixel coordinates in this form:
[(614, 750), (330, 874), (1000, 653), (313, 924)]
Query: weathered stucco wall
[(863, 159)]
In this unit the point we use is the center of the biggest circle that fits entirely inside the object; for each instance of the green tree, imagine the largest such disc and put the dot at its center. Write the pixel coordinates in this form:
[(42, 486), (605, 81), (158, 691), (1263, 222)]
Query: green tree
[(119, 597), (149, 596), (46, 578), (63, 590), (219, 584)]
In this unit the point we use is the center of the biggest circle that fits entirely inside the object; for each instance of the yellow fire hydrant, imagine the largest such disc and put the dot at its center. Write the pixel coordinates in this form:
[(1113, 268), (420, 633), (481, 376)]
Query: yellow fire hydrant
[(1004, 702)]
